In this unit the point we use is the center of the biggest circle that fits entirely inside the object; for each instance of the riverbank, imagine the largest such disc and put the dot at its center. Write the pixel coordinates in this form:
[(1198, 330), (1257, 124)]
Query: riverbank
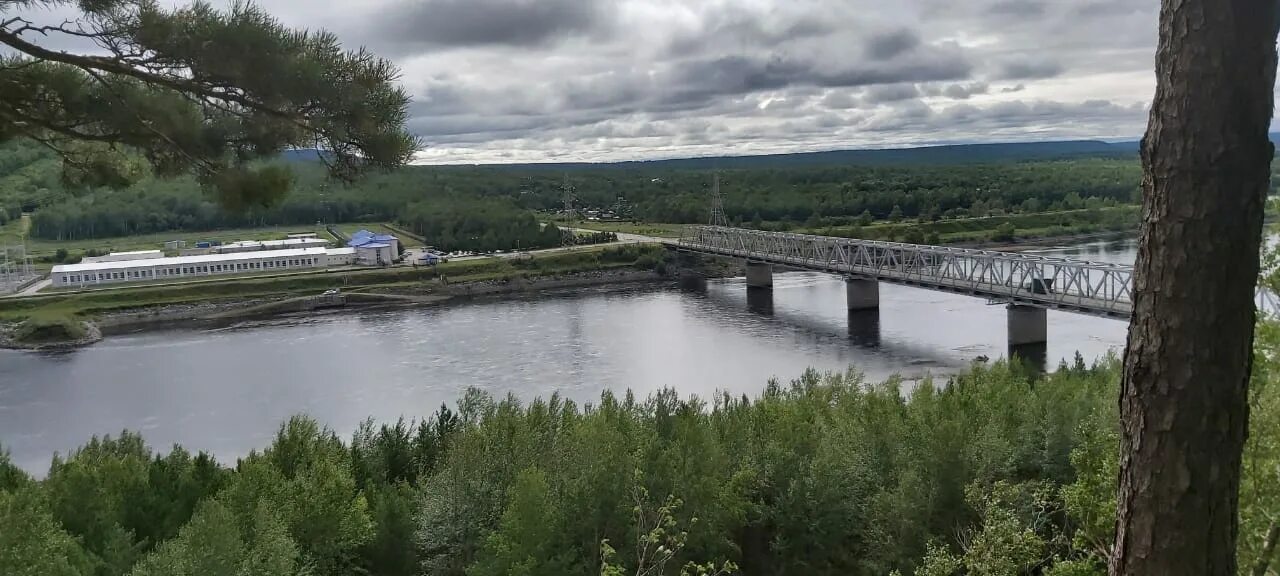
[(428, 295), (109, 311)]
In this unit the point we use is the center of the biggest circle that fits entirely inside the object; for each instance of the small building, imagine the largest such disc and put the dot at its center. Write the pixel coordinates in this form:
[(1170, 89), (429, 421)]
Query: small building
[(374, 254), (301, 235), (175, 245), (124, 256), (374, 249)]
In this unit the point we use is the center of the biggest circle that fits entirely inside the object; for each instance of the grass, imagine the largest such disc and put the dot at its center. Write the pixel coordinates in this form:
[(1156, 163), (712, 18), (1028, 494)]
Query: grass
[(49, 327), (657, 230), (422, 279)]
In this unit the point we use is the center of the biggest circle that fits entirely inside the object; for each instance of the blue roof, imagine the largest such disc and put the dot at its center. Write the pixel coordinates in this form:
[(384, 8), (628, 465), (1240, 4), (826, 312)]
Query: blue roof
[(362, 234), (375, 245), (384, 238), (359, 241)]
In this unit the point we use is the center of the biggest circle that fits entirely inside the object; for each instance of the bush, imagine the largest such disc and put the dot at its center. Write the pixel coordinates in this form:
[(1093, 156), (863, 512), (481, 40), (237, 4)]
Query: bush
[(47, 329)]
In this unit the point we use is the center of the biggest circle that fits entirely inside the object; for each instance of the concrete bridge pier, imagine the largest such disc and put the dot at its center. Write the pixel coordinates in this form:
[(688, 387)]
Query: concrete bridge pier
[(1027, 325), (862, 294), (760, 302), (864, 327), (759, 275)]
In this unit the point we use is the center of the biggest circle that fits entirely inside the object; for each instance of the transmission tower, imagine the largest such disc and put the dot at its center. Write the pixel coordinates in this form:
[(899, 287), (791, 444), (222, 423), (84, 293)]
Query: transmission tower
[(569, 213), (717, 205)]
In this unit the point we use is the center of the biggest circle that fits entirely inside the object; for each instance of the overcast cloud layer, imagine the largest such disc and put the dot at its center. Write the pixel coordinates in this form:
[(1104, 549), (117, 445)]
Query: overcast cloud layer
[(544, 80)]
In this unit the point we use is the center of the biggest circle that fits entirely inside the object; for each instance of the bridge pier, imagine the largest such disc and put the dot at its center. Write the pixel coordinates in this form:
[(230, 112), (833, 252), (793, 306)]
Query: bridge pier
[(1027, 325), (862, 294), (864, 327), (759, 275)]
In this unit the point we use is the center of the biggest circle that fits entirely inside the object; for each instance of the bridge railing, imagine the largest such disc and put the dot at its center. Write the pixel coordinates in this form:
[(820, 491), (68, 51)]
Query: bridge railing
[(1089, 287), (1098, 288)]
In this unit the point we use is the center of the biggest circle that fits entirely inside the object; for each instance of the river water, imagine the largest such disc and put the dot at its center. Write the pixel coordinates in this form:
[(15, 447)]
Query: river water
[(226, 390)]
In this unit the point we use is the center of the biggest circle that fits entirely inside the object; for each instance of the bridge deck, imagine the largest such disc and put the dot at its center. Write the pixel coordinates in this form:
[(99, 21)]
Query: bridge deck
[(1094, 288)]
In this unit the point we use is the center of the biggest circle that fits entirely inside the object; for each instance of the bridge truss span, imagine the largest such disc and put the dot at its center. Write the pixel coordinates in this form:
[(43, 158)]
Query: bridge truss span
[(1094, 288)]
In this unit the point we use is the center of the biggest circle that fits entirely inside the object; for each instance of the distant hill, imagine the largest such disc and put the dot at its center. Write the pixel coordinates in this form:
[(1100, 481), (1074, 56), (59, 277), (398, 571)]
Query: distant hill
[(947, 154)]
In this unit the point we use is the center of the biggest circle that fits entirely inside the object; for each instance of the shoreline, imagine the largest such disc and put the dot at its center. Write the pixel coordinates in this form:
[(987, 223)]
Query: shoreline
[(230, 311)]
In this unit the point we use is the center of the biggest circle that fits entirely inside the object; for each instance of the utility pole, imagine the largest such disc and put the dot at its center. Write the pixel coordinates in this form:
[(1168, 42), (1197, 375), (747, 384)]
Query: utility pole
[(569, 213), (717, 204)]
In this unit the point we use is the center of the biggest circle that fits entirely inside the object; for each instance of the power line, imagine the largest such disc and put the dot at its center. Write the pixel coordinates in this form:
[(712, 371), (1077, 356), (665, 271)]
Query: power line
[(717, 204)]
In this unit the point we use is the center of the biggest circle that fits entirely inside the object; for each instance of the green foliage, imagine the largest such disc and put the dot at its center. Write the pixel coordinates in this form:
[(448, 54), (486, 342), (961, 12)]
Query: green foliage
[(214, 543), (120, 500), (31, 541), (1004, 232), (11, 477), (305, 479), (524, 543), (196, 90), (49, 328)]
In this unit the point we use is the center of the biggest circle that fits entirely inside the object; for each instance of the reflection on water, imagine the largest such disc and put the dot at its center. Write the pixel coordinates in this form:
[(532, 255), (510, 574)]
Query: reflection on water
[(227, 389)]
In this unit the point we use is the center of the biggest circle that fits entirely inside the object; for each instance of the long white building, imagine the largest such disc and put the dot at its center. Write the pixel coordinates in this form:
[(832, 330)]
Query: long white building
[(185, 267)]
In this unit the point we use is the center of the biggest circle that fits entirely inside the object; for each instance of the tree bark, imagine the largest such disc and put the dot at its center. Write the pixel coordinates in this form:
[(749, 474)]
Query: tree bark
[(1183, 398)]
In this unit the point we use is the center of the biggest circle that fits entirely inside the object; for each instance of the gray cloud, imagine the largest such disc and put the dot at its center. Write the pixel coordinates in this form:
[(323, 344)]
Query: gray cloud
[(429, 24), (890, 93), (891, 44), (964, 91), (1017, 8), (1028, 68)]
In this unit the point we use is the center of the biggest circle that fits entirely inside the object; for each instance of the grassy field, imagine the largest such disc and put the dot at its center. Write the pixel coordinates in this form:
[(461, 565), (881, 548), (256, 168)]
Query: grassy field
[(656, 230), (422, 280)]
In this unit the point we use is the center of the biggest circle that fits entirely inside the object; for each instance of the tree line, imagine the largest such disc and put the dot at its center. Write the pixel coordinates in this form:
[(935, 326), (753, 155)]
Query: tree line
[(996, 472)]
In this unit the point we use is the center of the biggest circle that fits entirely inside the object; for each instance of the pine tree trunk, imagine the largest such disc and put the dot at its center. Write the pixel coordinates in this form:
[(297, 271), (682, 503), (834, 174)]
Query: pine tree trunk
[(1183, 398)]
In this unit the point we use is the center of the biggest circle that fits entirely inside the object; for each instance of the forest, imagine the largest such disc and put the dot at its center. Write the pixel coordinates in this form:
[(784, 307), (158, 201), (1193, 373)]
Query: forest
[(496, 199)]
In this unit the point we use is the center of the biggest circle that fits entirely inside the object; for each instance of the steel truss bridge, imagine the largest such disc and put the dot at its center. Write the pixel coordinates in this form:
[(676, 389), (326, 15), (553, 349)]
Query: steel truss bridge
[(1084, 287)]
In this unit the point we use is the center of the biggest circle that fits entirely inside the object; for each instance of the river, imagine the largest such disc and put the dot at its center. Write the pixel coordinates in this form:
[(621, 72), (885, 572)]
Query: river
[(226, 390)]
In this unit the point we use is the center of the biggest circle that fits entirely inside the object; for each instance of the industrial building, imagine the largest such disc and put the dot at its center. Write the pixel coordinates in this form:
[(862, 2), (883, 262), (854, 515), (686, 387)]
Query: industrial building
[(124, 256), (186, 267), (374, 249)]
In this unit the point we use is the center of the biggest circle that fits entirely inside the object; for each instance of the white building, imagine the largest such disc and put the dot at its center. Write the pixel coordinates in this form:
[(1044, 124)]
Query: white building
[(186, 267), (341, 256), (375, 254), (124, 256)]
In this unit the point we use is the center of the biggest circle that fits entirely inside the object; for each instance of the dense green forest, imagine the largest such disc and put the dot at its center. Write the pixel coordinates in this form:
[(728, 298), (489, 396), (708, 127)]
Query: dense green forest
[(997, 472), (443, 196)]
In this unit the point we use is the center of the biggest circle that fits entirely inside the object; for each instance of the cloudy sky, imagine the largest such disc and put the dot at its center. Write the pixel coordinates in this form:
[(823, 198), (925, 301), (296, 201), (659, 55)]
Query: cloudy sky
[(553, 80)]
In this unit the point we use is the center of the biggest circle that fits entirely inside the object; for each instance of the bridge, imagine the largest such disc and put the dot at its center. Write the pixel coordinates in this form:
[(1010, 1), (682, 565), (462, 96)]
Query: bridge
[(1027, 284)]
